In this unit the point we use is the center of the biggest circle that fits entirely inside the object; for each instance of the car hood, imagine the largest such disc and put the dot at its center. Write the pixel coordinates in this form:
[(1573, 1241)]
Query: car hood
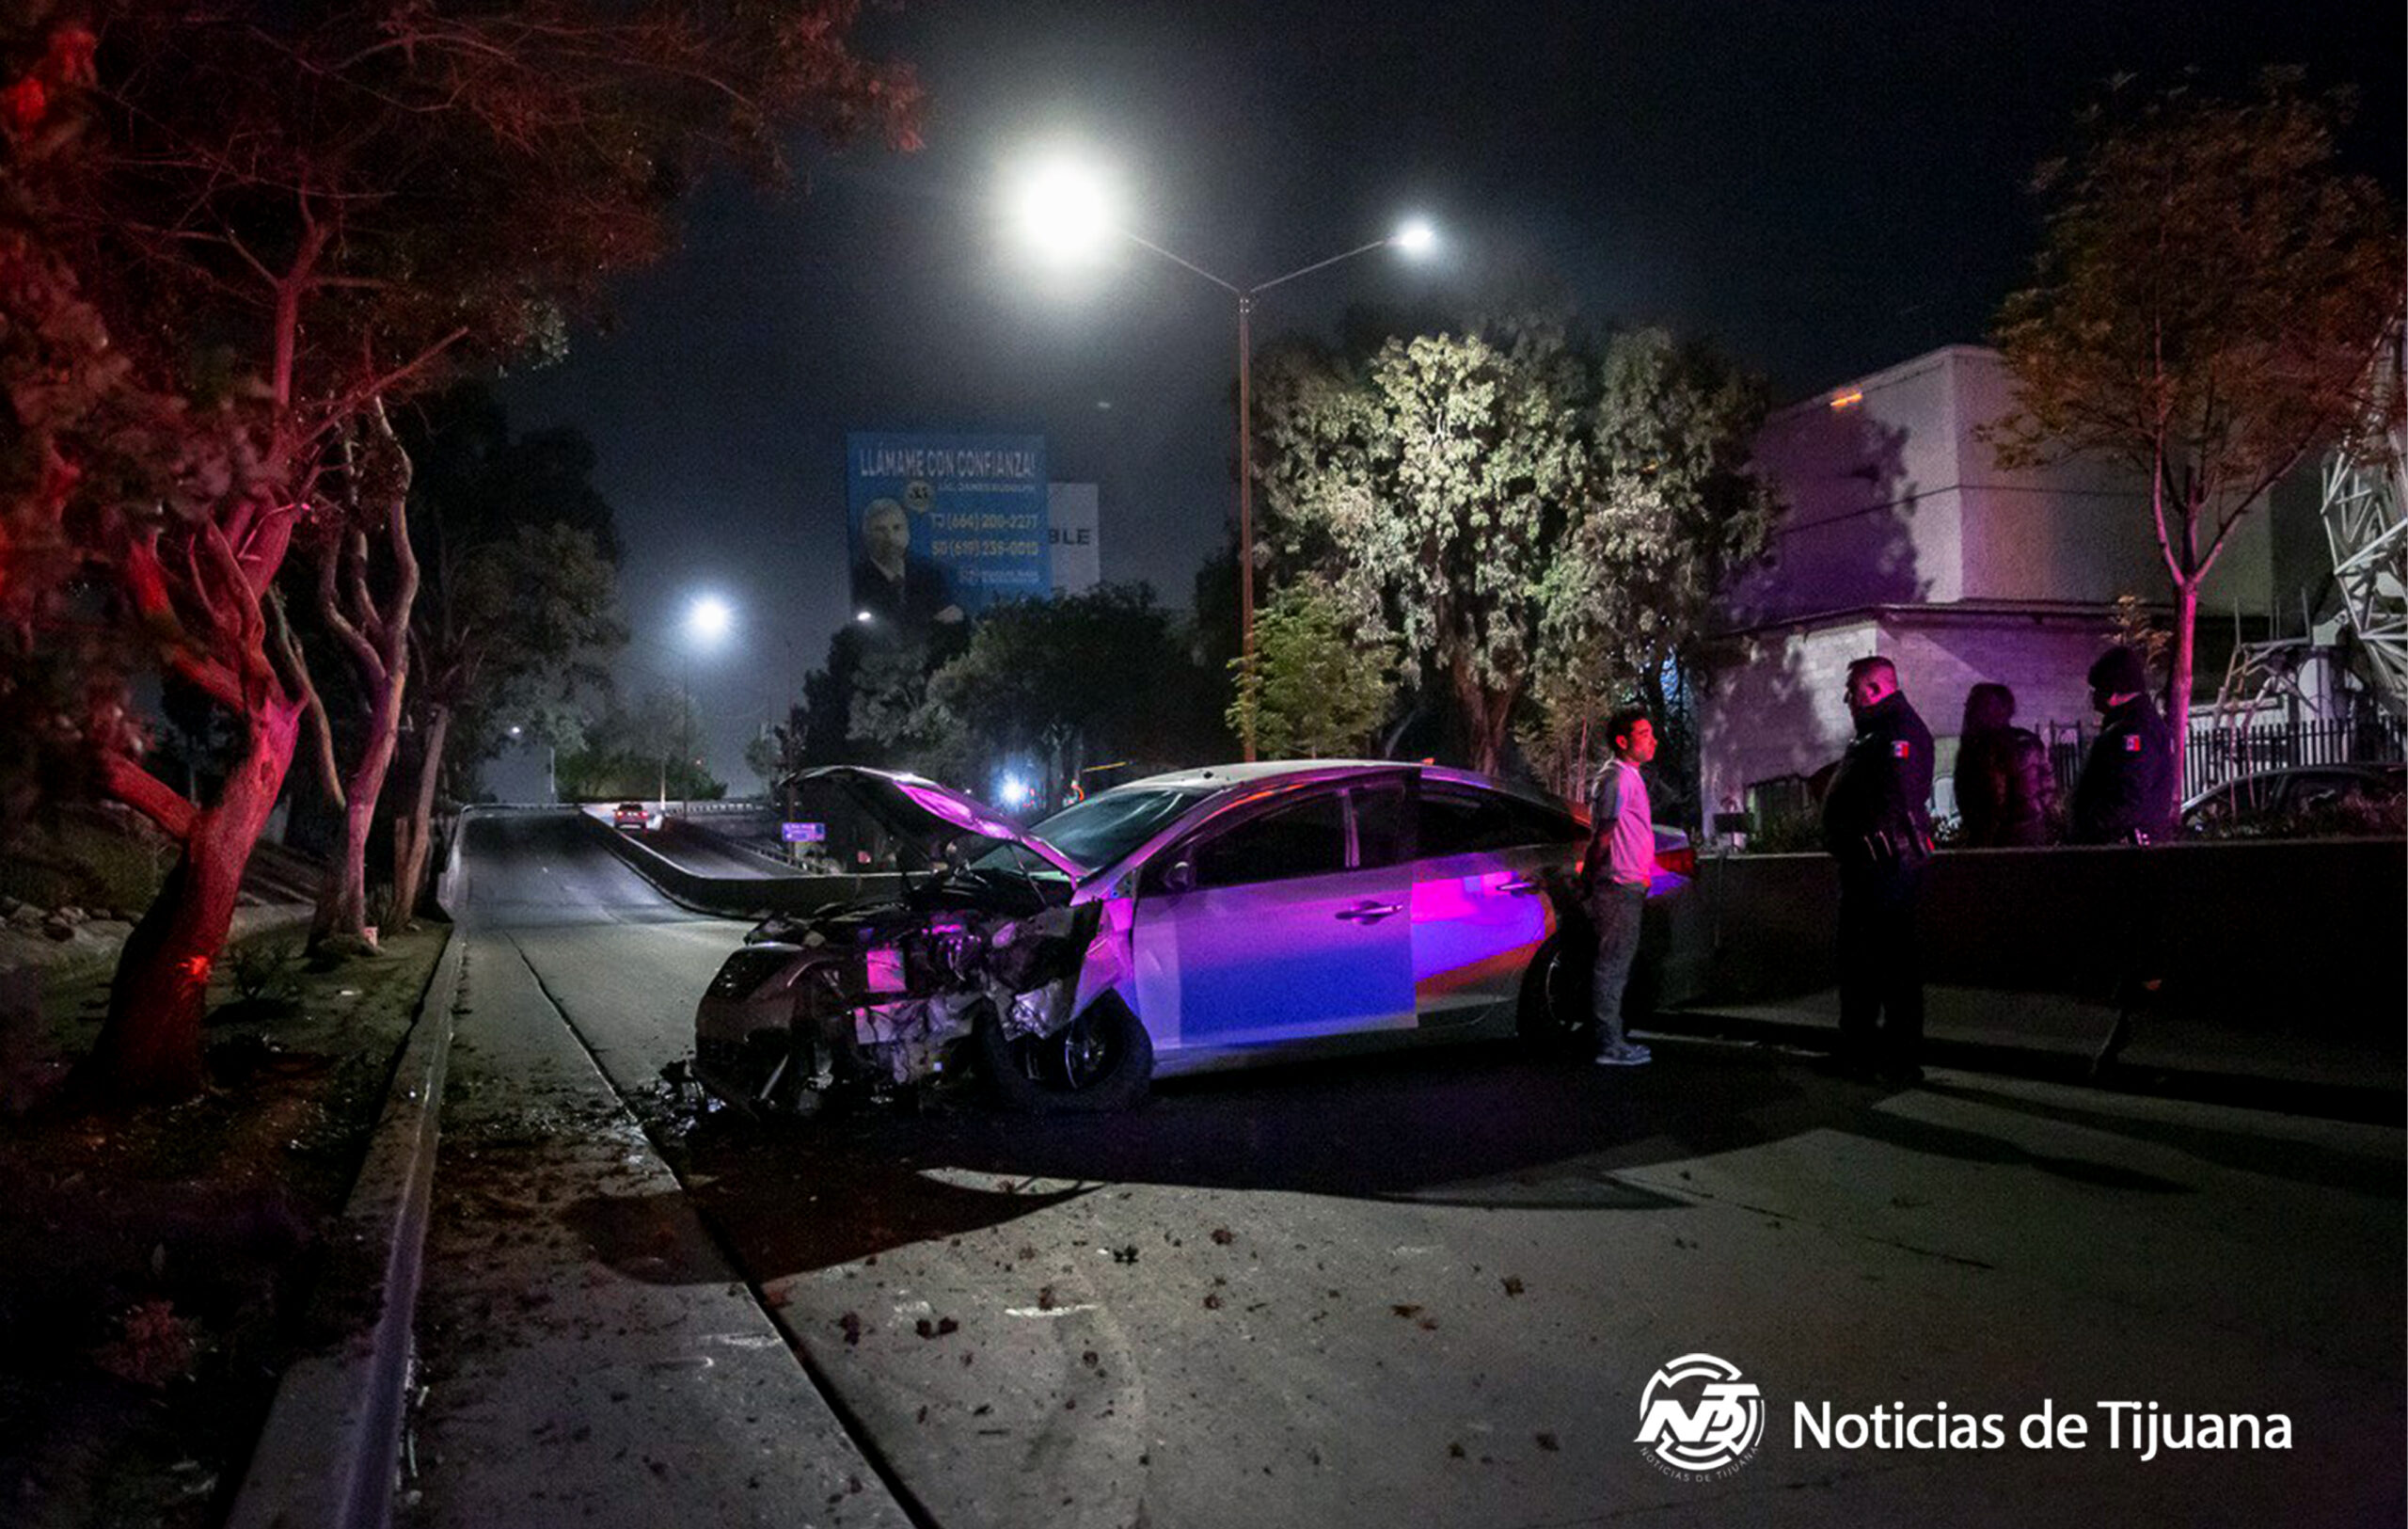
[(914, 806)]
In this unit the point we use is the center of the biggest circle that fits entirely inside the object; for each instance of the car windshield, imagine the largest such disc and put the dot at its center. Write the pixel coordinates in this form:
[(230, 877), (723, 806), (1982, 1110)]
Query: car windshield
[(1095, 833)]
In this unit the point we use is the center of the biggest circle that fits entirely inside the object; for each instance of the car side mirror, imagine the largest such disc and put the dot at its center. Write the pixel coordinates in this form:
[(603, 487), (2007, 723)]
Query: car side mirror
[(1180, 876)]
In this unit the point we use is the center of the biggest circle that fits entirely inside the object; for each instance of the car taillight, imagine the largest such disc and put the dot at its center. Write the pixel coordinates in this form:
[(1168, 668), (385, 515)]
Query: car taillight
[(1680, 862)]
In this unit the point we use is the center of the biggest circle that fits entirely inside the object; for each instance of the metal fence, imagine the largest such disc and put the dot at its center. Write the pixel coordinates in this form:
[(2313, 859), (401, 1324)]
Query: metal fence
[(2217, 754)]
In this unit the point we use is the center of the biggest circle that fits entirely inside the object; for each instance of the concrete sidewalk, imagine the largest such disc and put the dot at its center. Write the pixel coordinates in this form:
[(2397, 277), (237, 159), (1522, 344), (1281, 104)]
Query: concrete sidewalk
[(2056, 1035), (586, 1353)]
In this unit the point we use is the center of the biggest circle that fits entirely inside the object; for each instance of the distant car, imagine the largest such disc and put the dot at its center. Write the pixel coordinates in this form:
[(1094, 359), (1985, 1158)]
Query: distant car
[(630, 815), (1202, 919), (2271, 794)]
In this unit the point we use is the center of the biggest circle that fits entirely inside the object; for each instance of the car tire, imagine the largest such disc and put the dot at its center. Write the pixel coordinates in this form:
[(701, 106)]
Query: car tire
[(1101, 1063), (1557, 1018)]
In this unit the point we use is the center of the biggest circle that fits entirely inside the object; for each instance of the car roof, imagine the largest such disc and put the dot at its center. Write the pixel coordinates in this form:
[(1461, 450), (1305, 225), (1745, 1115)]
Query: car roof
[(2365, 769), (1217, 778)]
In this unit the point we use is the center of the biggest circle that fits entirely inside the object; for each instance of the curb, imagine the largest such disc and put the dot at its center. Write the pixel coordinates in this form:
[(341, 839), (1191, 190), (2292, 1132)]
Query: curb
[(327, 1455)]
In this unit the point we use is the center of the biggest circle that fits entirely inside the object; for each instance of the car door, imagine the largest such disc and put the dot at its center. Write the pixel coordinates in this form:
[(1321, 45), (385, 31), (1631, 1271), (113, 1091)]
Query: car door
[(1267, 928), (1480, 904)]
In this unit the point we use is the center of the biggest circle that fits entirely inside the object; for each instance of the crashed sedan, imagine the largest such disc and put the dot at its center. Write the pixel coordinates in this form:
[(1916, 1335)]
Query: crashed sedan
[(1205, 918)]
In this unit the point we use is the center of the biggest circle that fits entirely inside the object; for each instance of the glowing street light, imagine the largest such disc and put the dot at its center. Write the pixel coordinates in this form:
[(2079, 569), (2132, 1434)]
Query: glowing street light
[(1065, 211), (708, 619)]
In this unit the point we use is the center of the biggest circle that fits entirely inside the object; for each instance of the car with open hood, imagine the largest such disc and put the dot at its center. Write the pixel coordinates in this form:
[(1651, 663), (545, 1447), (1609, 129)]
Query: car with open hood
[(1200, 920)]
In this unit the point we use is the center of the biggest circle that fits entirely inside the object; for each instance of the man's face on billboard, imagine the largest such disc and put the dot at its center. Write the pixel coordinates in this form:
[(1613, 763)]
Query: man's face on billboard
[(886, 533)]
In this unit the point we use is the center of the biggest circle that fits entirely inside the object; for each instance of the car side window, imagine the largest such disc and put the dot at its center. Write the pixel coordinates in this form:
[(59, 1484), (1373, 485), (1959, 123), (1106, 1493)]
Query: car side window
[(1383, 825), (1469, 822), (1303, 839)]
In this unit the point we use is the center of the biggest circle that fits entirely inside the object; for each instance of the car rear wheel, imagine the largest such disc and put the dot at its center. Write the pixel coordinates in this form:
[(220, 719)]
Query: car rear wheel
[(1100, 1062), (1557, 1017)]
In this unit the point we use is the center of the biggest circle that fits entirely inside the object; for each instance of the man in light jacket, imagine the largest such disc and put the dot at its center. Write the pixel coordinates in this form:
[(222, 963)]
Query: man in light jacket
[(1620, 863)]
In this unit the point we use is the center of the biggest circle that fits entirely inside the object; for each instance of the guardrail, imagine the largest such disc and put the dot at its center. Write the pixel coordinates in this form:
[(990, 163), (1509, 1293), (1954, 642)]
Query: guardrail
[(731, 898)]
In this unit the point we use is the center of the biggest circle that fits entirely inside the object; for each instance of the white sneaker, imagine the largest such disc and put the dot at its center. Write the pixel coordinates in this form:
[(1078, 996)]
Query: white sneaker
[(1626, 1056)]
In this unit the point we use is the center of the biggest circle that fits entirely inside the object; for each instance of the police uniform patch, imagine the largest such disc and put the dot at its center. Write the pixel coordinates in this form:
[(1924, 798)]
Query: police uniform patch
[(2131, 742), (1901, 749)]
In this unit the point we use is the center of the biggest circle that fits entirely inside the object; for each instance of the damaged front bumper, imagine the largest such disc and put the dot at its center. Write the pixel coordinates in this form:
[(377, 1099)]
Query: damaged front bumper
[(882, 1008)]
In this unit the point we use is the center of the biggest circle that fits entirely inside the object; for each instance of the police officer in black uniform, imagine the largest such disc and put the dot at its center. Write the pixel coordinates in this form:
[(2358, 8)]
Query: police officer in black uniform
[(1876, 822), (2126, 792), (2125, 795)]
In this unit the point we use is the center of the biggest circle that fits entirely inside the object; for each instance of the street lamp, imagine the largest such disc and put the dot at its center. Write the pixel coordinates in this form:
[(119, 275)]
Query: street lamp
[(551, 762), (708, 619), (1065, 210)]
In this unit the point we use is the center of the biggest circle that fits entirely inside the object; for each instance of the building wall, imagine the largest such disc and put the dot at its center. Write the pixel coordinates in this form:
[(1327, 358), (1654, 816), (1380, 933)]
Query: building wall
[(1776, 705), (1871, 483), (1894, 497), (1905, 536)]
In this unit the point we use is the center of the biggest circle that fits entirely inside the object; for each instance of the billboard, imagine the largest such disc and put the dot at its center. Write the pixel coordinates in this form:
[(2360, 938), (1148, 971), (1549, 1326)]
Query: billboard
[(1074, 538), (943, 526)]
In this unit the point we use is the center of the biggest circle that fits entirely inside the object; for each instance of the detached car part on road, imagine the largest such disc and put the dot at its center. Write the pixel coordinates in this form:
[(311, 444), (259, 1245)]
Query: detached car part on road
[(1205, 918)]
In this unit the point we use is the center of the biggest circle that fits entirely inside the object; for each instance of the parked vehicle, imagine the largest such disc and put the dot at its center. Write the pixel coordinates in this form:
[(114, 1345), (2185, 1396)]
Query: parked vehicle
[(1205, 918), (2270, 796), (630, 815)]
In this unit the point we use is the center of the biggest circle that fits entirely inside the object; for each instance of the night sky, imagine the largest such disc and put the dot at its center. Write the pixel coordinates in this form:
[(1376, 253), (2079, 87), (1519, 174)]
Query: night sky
[(1821, 189)]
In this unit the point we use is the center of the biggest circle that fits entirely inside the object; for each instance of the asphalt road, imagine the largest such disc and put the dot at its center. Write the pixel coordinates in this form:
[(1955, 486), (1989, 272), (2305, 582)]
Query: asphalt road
[(1436, 1289)]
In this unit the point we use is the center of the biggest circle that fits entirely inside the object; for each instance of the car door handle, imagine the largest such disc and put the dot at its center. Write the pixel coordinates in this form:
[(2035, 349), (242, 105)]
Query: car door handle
[(1523, 888), (1369, 912)]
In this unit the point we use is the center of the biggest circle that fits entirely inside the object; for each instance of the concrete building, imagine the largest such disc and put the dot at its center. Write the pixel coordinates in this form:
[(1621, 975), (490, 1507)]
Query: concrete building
[(1905, 537)]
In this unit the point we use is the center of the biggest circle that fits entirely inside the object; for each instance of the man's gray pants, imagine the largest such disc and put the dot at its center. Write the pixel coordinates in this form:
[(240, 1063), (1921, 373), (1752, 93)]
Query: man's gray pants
[(1615, 912)]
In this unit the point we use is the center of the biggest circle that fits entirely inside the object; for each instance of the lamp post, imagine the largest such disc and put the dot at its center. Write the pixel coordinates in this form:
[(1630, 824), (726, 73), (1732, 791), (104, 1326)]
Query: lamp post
[(1064, 208), (551, 763), (708, 619)]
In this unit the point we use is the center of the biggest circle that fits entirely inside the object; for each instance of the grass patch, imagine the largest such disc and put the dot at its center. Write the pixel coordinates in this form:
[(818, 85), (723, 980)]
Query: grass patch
[(154, 1267), (94, 858)]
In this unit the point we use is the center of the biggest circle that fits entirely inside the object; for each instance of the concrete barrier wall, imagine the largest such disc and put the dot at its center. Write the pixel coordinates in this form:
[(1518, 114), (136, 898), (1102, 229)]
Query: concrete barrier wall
[(2312, 936), (734, 899)]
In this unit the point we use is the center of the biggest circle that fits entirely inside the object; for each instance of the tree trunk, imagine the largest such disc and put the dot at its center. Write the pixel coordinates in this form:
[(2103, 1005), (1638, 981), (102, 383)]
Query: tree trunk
[(342, 905), (2178, 684), (150, 1046), (375, 470), (1489, 713), (413, 834)]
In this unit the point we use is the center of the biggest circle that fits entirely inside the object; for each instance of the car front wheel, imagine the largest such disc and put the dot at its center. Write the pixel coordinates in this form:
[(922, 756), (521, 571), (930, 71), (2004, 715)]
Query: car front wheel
[(1100, 1062)]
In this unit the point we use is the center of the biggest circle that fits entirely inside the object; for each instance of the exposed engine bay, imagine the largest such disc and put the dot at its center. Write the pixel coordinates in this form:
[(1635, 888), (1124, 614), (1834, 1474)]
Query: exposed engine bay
[(887, 996)]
